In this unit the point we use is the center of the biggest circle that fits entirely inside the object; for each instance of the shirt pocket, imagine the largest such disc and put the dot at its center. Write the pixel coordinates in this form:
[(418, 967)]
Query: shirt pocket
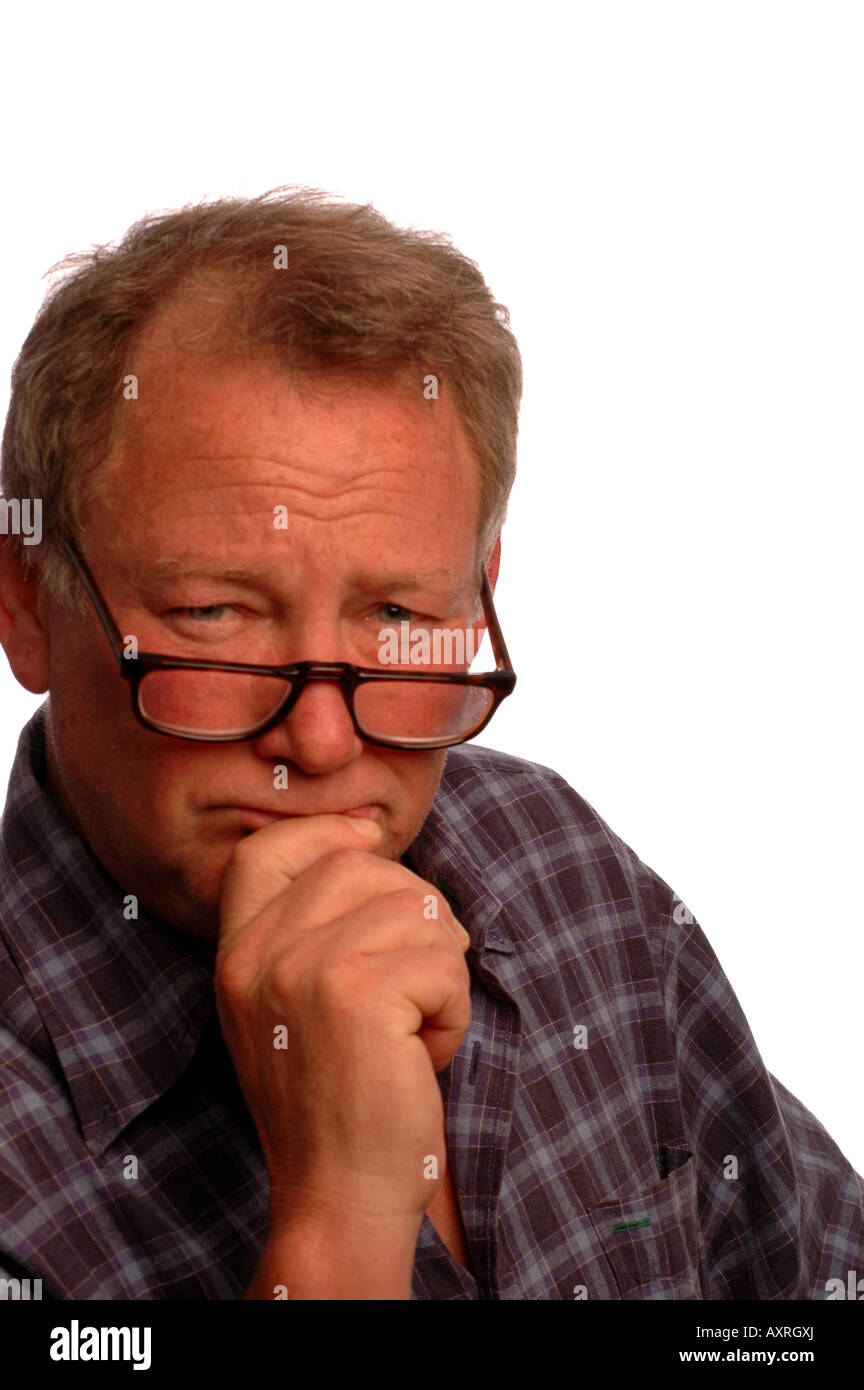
[(651, 1239)]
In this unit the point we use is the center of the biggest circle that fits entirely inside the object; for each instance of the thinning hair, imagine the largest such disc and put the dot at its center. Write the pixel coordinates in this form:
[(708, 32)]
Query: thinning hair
[(296, 275)]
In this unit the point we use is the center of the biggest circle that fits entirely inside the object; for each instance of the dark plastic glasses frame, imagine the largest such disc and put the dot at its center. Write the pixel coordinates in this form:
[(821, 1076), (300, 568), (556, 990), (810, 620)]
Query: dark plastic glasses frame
[(501, 681)]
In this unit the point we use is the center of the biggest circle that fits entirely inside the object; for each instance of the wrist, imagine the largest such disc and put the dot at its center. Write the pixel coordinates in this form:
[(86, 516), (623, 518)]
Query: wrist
[(322, 1256)]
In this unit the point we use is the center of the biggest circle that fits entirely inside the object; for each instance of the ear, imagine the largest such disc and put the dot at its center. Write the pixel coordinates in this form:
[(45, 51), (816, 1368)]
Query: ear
[(493, 562), (22, 632)]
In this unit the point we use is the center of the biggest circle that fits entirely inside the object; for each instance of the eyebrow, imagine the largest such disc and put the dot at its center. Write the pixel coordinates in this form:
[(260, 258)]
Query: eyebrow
[(450, 583), (192, 567)]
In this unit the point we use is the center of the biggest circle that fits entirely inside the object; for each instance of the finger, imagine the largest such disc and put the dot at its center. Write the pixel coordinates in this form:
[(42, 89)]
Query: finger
[(332, 889), (264, 864), (391, 922), (425, 989)]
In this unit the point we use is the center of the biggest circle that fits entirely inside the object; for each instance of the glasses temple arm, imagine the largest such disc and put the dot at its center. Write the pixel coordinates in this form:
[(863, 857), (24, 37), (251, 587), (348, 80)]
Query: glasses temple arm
[(496, 636), (113, 632)]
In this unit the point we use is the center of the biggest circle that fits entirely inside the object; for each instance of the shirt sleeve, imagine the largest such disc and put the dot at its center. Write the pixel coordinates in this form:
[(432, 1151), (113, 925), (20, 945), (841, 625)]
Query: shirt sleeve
[(781, 1210)]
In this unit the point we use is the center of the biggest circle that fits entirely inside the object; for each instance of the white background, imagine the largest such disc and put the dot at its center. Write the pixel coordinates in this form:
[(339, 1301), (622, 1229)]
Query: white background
[(668, 196)]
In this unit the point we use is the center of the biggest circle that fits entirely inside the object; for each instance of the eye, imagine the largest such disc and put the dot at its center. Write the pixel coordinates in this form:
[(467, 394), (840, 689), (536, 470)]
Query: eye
[(207, 613), (395, 613)]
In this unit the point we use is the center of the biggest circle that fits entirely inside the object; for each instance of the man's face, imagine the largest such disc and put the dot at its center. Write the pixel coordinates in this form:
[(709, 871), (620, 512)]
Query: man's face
[(378, 482)]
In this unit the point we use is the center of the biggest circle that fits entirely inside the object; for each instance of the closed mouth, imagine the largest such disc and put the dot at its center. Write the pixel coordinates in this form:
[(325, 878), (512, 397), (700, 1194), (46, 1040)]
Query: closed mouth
[(367, 810)]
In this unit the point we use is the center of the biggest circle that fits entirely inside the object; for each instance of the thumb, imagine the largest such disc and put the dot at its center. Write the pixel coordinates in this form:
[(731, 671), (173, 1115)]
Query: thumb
[(263, 865)]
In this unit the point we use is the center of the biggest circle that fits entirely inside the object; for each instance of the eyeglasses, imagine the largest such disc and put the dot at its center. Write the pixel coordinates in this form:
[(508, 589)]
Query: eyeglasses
[(231, 701)]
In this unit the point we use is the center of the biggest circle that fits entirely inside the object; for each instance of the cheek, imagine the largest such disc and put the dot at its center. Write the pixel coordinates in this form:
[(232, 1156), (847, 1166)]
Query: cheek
[(127, 775), (418, 775), (415, 771), (87, 691)]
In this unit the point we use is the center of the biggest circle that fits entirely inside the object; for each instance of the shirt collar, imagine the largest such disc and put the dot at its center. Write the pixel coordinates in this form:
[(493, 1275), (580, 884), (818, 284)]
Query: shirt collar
[(473, 868), (124, 1000)]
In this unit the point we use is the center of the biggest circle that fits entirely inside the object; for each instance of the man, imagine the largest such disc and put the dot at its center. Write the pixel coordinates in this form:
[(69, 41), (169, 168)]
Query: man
[(301, 995)]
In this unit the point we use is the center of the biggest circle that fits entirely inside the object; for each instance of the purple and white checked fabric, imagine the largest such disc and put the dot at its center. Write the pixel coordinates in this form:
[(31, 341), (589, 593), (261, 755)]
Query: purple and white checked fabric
[(606, 1079)]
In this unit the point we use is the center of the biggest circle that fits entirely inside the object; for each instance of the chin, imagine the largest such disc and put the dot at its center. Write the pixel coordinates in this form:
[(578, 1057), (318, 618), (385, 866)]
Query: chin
[(187, 900)]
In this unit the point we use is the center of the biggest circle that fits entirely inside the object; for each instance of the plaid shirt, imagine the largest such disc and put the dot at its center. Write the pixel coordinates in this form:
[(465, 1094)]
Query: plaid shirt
[(612, 1129)]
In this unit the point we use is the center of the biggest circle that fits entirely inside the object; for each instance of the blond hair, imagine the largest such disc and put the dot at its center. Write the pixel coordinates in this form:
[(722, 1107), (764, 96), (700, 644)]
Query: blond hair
[(357, 294)]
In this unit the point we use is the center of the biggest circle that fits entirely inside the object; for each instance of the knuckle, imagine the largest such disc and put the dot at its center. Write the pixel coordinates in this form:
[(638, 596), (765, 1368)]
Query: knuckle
[(232, 976), (407, 900), (455, 970)]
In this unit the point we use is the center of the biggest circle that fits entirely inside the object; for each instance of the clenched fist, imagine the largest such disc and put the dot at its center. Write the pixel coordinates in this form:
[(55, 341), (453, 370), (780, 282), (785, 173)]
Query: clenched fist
[(340, 995)]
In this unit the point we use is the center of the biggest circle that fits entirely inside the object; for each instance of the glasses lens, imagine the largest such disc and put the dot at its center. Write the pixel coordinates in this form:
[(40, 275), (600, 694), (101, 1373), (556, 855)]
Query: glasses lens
[(421, 712), (212, 704), (228, 704)]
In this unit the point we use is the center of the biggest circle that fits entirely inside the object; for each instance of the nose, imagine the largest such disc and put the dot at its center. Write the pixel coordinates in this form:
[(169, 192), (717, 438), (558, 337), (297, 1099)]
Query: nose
[(318, 735)]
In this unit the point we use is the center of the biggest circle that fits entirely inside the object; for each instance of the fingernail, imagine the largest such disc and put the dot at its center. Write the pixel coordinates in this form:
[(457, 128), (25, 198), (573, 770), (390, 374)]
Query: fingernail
[(366, 827)]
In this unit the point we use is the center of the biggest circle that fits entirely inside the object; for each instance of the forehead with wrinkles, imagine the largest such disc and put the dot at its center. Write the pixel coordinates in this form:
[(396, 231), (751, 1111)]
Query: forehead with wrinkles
[(223, 438)]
